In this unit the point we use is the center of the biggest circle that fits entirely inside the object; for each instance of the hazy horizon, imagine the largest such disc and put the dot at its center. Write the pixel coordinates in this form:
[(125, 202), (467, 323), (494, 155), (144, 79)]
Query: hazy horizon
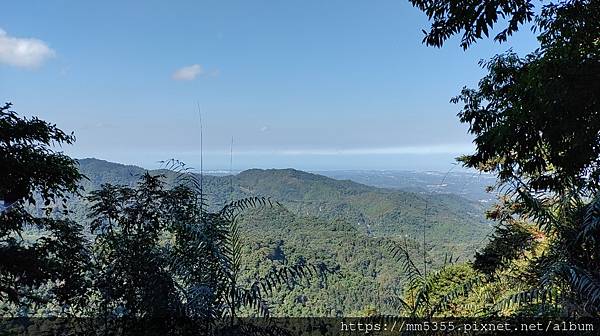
[(194, 165)]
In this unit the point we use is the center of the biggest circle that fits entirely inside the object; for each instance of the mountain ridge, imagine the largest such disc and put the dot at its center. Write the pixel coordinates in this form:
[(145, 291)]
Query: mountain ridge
[(378, 210), (343, 224)]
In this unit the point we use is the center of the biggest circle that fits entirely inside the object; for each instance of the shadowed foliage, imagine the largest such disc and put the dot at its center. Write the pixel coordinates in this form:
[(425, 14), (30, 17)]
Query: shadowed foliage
[(160, 254), (536, 124), (43, 255), (473, 19)]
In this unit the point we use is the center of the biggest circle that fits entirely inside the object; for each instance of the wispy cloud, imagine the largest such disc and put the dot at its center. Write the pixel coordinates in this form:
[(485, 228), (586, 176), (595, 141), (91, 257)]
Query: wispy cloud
[(99, 125), (23, 52), (188, 73), (423, 149), (398, 150)]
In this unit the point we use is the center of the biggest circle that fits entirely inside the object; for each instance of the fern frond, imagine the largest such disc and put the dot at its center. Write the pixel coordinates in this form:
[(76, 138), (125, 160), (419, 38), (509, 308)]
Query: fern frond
[(537, 209), (591, 221), (544, 296), (585, 285), (250, 299), (397, 304), (460, 290), (230, 210), (403, 257), (288, 275)]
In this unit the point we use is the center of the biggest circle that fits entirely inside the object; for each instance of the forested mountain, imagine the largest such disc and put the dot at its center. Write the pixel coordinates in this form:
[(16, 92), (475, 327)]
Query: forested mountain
[(449, 220), (343, 224)]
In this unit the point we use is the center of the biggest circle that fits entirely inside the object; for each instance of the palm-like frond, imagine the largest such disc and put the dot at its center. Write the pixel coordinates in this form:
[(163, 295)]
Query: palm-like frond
[(400, 254), (591, 221), (233, 294), (185, 176), (546, 297), (287, 275), (231, 210), (585, 285), (397, 303), (460, 290)]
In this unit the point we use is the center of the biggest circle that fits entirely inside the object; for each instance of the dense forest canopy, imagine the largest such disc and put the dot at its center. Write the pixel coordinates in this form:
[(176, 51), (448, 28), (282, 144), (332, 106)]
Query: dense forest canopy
[(78, 239), (343, 224)]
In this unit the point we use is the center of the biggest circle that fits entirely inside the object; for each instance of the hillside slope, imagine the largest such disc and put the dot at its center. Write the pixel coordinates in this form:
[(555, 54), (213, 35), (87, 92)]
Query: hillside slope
[(452, 223), (344, 224)]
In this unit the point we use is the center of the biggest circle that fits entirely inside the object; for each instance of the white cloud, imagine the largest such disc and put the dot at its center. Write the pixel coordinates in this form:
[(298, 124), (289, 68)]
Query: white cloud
[(23, 52), (188, 73)]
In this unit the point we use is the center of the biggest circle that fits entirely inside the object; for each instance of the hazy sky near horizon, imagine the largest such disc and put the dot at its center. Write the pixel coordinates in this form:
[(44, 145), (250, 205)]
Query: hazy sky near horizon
[(306, 84)]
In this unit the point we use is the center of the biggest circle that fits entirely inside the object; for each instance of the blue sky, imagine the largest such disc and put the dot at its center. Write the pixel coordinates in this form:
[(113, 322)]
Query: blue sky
[(306, 84)]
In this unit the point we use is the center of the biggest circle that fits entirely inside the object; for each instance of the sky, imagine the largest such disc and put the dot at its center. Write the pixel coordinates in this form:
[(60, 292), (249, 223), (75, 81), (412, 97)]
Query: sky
[(312, 84)]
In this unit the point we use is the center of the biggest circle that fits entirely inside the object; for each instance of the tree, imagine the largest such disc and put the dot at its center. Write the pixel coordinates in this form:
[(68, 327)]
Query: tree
[(132, 276), (161, 254), (35, 184), (472, 18), (536, 122)]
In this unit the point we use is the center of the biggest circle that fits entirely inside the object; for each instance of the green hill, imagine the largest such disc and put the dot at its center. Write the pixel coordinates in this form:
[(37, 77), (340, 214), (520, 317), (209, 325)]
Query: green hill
[(452, 223), (344, 224)]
